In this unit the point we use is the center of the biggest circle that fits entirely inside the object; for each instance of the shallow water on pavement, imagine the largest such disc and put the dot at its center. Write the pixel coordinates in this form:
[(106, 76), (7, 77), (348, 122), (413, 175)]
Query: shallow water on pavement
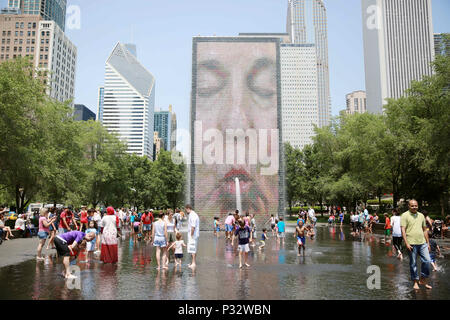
[(334, 267)]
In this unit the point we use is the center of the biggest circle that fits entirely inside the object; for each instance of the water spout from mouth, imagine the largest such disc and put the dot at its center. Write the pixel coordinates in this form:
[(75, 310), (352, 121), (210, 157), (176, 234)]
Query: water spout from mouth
[(238, 195)]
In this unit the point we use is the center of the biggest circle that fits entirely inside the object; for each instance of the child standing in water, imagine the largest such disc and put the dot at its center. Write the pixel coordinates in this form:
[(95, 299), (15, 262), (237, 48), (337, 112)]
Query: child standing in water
[(301, 239), (244, 237), (263, 239), (179, 244), (216, 226), (90, 246), (434, 250), (281, 230)]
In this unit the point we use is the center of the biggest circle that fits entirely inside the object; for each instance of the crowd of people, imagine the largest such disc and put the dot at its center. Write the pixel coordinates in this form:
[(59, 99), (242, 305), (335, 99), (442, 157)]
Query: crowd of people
[(412, 232), (97, 232)]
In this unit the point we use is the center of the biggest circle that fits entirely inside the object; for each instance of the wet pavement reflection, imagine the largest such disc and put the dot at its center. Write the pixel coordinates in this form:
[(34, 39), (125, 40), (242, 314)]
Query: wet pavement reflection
[(334, 267)]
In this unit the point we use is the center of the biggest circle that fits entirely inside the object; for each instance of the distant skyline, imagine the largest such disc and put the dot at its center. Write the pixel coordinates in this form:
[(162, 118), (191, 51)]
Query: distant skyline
[(163, 31)]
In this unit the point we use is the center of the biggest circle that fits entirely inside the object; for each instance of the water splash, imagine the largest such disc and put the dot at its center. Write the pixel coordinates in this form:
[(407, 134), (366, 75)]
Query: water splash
[(238, 195)]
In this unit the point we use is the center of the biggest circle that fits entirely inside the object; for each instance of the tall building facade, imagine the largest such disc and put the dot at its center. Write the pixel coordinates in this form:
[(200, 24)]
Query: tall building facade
[(157, 145), (173, 129), (51, 52), (57, 56), (307, 24), (299, 98), (82, 113), (54, 10), (101, 97), (441, 44), (356, 102), (129, 100), (398, 47), (163, 124), (19, 36)]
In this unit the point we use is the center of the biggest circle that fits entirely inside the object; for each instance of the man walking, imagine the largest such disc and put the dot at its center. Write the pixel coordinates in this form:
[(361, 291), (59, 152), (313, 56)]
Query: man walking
[(415, 235), (193, 234)]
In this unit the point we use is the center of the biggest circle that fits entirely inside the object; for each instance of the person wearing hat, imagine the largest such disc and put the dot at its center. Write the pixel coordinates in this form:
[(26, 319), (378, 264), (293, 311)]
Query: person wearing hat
[(110, 229)]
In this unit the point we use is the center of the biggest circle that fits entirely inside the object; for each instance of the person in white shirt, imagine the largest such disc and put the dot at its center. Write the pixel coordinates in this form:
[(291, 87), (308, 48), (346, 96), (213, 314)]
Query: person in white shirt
[(311, 215), (20, 225), (193, 233), (397, 237)]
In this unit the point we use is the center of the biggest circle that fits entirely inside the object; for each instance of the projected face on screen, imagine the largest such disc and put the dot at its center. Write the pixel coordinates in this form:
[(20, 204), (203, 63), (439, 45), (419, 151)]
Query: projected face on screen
[(236, 128)]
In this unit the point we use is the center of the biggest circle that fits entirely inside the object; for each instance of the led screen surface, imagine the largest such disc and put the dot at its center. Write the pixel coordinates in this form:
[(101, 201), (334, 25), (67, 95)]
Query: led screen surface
[(235, 128)]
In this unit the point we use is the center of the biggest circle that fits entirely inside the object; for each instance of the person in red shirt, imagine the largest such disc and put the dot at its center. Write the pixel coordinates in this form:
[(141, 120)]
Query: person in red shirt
[(83, 219), (387, 227), (147, 220), (65, 220)]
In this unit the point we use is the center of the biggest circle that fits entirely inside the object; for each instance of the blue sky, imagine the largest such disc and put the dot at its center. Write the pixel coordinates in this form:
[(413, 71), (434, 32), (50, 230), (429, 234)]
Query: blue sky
[(163, 32)]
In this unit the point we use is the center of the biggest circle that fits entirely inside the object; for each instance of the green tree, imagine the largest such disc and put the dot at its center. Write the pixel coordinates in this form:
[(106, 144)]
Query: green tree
[(22, 108), (172, 176), (423, 117), (295, 175)]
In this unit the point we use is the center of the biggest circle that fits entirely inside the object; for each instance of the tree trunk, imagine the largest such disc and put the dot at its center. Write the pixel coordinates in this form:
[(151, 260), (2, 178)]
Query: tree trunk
[(442, 203), (321, 207)]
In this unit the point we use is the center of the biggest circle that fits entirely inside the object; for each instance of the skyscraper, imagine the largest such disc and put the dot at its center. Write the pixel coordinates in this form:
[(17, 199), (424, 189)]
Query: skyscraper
[(163, 124), (101, 97), (82, 113), (173, 127), (299, 98), (129, 100), (51, 52), (398, 47), (54, 10), (356, 102), (307, 24)]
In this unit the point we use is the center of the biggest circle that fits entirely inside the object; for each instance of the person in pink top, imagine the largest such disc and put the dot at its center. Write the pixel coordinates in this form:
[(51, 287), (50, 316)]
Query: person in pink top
[(44, 224), (229, 222)]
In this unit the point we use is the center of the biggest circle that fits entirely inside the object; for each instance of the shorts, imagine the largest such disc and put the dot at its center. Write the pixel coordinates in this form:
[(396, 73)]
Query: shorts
[(272, 226), (217, 229), (262, 242), (244, 247), (42, 235), (160, 242), (387, 232), (62, 247), (301, 240), (171, 236), (179, 255), (281, 235), (254, 234), (192, 245), (136, 229), (146, 227), (228, 228), (90, 246)]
